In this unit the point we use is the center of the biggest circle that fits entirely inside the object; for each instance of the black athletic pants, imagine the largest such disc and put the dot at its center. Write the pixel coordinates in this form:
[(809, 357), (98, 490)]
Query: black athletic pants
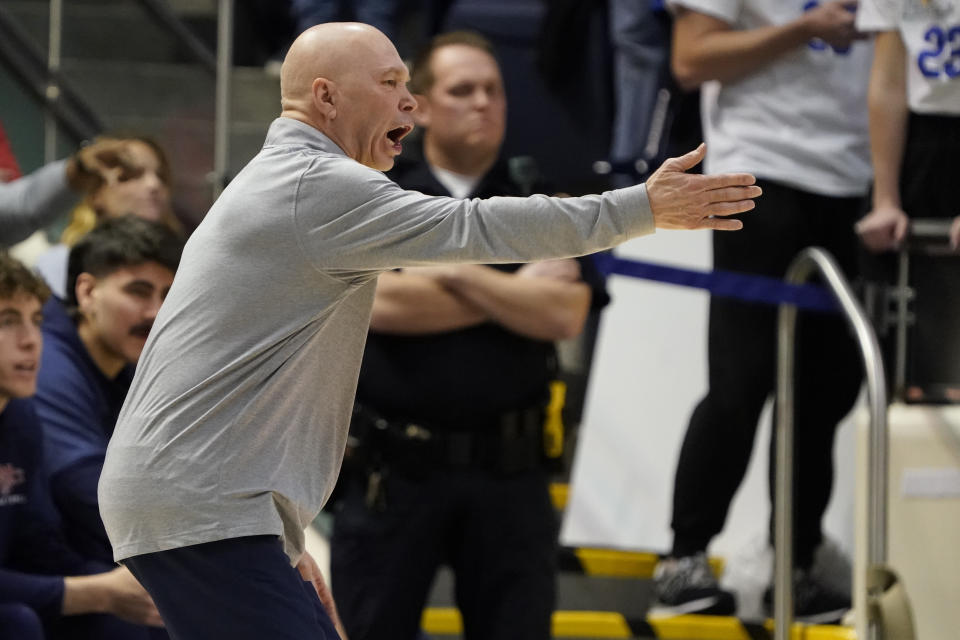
[(742, 372)]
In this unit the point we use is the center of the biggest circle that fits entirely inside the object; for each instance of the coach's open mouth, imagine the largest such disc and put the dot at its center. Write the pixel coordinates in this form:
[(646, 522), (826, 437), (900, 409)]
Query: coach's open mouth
[(398, 134)]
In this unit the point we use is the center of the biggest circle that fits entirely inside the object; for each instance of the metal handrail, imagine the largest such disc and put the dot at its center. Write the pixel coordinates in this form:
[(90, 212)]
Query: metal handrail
[(921, 231), (164, 15), (810, 260), (54, 47), (219, 64), (224, 72), (27, 62)]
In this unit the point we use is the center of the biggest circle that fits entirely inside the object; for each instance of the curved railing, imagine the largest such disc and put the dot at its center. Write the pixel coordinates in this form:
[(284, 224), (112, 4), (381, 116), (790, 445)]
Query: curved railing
[(810, 261)]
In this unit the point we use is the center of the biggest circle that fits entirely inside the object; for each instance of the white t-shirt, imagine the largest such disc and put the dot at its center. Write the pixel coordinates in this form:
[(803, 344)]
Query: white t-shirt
[(459, 185), (931, 35), (800, 120)]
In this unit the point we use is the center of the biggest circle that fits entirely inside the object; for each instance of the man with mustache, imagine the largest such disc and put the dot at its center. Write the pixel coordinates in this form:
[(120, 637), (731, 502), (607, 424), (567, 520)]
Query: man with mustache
[(118, 276), (235, 426)]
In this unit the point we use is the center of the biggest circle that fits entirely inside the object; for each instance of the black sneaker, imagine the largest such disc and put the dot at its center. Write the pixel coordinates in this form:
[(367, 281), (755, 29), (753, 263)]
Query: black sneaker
[(687, 585), (813, 601)]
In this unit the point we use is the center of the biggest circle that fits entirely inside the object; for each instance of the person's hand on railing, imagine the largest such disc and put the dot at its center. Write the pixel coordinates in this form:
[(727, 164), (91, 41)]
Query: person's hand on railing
[(883, 229)]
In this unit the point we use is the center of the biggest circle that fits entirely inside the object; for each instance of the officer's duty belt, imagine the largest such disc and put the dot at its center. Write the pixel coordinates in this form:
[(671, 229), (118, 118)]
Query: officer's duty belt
[(512, 442)]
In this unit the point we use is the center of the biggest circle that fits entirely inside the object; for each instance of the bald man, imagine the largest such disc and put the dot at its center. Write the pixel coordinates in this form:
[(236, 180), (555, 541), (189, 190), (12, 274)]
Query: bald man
[(235, 425)]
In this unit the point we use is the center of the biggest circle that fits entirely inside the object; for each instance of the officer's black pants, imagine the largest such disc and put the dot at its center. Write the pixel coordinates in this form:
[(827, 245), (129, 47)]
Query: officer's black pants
[(742, 370), (497, 533)]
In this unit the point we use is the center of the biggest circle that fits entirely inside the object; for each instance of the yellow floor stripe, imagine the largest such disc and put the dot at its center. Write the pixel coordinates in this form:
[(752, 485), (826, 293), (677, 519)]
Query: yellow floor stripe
[(796, 631), (627, 564), (559, 493), (830, 633), (446, 621), (442, 621), (608, 562), (816, 632), (700, 627), (590, 624)]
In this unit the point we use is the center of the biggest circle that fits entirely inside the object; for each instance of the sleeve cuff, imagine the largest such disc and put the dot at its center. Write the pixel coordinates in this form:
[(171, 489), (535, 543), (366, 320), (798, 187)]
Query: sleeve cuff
[(635, 207)]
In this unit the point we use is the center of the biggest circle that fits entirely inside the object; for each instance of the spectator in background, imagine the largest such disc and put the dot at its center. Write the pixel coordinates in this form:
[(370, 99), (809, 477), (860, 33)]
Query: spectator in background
[(789, 106), (382, 14), (449, 420), (35, 597), (9, 168), (146, 195), (36, 200), (640, 33), (914, 117), (119, 274)]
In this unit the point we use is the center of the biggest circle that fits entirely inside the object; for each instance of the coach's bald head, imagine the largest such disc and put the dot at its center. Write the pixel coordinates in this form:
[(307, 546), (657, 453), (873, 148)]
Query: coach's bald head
[(346, 79)]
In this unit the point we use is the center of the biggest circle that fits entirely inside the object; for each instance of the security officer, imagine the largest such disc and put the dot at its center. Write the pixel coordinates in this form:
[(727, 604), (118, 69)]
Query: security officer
[(448, 430)]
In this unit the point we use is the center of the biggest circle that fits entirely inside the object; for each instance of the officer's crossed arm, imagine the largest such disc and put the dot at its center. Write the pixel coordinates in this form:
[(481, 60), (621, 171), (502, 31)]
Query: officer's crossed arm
[(408, 302), (543, 300)]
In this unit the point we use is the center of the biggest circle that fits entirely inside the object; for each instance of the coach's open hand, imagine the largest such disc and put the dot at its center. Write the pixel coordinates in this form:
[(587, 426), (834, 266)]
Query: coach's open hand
[(682, 200)]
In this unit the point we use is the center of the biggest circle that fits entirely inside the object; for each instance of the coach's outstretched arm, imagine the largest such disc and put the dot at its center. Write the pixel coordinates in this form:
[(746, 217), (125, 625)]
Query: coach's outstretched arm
[(681, 200), (378, 225)]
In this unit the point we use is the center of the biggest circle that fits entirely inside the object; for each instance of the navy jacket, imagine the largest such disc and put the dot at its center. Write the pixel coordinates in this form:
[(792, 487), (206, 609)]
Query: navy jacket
[(33, 555), (78, 408)]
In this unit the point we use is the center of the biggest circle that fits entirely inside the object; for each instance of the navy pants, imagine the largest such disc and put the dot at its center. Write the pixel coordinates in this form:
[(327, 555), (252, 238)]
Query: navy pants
[(240, 589)]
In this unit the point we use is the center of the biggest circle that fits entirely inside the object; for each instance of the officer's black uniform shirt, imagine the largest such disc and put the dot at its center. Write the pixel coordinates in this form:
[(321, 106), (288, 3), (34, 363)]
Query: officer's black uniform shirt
[(467, 378)]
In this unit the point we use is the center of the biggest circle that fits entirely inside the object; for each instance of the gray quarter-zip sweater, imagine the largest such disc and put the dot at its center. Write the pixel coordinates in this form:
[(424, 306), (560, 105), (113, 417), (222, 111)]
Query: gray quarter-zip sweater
[(236, 421)]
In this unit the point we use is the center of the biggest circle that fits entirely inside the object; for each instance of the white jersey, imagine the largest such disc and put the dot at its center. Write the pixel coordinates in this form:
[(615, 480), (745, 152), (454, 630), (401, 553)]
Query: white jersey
[(800, 120), (930, 31)]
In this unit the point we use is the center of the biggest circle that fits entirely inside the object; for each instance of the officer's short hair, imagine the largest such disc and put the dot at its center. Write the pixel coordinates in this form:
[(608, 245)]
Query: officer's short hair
[(421, 75)]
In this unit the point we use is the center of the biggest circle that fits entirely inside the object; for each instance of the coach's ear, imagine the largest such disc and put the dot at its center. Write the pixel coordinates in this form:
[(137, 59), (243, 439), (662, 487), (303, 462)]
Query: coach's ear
[(325, 97)]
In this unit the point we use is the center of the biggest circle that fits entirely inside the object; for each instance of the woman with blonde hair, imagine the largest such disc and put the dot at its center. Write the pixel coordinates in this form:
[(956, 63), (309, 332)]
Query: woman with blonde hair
[(146, 195)]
